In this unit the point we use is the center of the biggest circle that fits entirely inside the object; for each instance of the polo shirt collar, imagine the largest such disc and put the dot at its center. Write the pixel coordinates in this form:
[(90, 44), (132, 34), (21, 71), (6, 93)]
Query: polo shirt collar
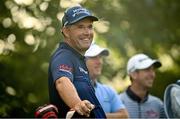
[(94, 83), (64, 45), (134, 97)]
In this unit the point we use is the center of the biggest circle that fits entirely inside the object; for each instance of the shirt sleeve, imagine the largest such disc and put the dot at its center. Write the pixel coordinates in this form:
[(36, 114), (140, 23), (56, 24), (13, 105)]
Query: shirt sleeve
[(116, 103), (62, 66)]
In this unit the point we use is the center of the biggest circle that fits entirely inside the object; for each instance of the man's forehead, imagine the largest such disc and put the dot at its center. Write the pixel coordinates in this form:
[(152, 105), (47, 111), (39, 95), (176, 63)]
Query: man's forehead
[(84, 21), (97, 56), (146, 69)]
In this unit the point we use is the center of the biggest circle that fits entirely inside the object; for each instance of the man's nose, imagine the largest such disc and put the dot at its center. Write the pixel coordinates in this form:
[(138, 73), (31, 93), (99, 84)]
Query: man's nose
[(87, 30)]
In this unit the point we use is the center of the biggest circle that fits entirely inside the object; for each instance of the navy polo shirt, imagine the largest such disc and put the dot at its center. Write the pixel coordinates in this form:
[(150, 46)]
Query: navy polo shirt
[(67, 62)]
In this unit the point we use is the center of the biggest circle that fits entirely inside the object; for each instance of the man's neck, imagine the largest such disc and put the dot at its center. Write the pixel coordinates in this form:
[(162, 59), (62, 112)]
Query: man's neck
[(82, 52), (139, 91)]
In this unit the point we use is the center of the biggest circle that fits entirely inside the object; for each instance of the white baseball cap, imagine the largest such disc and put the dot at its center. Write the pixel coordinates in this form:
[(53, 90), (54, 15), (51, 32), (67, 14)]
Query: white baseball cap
[(95, 50), (141, 61)]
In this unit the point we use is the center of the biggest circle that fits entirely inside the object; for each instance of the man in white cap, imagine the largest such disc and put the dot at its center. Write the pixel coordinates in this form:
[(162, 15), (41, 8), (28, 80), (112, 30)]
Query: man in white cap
[(139, 103), (106, 95)]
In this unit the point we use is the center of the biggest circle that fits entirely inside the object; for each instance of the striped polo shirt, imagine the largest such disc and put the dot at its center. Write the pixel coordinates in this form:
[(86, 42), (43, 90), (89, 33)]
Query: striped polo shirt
[(149, 107)]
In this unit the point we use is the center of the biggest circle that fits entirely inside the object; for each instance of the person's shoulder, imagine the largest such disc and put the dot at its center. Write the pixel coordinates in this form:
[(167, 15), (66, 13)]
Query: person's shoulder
[(154, 98), (104, 86), (63, 54), (62, 57), (107, 87), (122, 94), (125, 98)]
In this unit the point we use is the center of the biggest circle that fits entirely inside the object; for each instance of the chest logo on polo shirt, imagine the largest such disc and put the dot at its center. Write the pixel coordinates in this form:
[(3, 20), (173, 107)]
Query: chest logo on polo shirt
[(82, 70), (152, 114)]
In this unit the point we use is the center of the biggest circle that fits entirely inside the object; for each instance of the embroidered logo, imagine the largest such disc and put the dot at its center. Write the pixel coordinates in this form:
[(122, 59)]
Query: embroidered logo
[(80, 11), (151, 113), (82, 70), (65, 68)]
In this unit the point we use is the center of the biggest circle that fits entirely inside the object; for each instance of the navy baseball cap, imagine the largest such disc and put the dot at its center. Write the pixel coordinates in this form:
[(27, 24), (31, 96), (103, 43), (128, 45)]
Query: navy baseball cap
[(75, 14)]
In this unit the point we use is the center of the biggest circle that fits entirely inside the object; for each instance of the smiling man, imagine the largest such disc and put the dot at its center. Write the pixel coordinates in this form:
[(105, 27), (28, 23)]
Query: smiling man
[(138, 101), (107, 96), (69, 84)]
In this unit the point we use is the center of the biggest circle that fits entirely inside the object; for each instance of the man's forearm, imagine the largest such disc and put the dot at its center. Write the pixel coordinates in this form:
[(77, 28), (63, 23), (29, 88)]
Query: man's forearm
[(120, 114), (67, 91), (70, 96)]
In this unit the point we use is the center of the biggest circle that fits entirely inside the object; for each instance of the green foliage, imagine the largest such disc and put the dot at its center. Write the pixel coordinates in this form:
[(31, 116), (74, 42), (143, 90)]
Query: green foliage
[(30, 31)]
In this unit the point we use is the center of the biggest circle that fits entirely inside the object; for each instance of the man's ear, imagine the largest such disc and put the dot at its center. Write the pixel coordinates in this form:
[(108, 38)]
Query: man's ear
[(64, 31), (133, 75)]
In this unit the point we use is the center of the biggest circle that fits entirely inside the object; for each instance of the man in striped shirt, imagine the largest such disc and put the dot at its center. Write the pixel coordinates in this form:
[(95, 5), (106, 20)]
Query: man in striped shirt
[(139, 103)]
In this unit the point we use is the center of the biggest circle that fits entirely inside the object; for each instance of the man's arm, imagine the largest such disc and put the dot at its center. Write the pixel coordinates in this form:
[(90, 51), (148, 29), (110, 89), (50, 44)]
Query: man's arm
[(122, 113), (70, 96), (118, 109)]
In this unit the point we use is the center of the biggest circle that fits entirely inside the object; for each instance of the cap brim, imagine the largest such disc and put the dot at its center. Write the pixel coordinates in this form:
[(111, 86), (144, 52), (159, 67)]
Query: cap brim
[(148, 63), (93, 18), (157, 64), (103, 52)]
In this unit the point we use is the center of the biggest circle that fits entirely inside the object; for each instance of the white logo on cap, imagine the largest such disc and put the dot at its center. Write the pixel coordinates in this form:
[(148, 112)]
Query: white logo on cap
[(79, 11)]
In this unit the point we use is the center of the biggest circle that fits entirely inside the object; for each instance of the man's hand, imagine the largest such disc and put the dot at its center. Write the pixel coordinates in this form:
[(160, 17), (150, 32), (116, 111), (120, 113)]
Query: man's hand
[(84, 108)]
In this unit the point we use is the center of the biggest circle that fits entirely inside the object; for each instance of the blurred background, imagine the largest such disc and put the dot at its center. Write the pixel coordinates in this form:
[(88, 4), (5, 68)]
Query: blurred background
[(30, 32)]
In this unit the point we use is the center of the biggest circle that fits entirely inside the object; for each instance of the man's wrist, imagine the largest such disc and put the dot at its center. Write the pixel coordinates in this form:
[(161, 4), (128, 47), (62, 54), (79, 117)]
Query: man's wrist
[(74, 103)]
